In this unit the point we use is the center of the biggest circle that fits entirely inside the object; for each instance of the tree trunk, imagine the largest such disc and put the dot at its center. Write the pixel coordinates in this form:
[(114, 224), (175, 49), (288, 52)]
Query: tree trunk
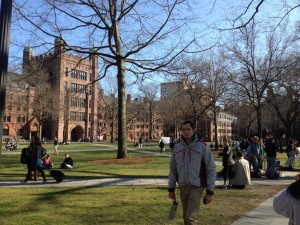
[(151, 123), (259, 126), (122, 138), (216, 131)]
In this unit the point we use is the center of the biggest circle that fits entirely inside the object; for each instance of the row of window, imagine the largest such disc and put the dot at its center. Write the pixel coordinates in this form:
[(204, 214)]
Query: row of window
[(18, 97), (79, 116), (78, 102), (80, 88), (9, 107), (19, 132), (78, 74), (100, 124), (20, 119)]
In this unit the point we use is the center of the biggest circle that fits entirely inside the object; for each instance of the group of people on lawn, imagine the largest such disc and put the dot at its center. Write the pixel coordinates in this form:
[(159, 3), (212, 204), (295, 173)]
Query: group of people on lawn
[(37, 163)]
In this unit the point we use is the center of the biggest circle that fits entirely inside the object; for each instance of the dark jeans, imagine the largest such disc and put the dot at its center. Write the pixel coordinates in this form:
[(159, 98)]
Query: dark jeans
[(40, 169), (271, 167), (228, 172)]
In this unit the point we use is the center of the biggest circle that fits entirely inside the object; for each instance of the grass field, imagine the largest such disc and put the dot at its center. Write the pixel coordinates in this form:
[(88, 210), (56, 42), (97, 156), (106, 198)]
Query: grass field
[(116, 204)]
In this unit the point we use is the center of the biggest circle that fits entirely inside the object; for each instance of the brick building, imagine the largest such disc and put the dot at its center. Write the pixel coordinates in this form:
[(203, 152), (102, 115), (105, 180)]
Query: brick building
[(71, 78), (178, 94), (18, 119)]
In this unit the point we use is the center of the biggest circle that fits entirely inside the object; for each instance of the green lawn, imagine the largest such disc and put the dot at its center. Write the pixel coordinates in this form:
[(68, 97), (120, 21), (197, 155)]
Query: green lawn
[(111, 205)]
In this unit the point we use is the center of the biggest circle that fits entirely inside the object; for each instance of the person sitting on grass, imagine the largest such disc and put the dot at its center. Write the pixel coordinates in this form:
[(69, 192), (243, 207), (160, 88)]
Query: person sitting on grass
[(67, 163), (47, 162), (241, 171)]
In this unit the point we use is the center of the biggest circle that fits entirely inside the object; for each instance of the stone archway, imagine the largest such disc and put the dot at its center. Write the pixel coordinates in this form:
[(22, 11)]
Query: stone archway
[(77, 133)]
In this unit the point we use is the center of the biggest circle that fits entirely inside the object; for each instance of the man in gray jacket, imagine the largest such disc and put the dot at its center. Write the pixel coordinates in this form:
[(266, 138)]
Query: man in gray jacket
[(185, 166)]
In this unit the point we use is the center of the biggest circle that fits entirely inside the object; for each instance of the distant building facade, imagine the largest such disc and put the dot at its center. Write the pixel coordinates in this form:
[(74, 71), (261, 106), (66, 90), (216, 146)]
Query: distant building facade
[(138, 119), (18, 119), (76, 95), (179, 91)]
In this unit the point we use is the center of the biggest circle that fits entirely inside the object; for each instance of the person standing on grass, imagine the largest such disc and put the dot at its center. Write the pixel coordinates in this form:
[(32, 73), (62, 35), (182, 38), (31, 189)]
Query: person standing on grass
[(36, 161), (271, 151), (55, 146), (162, 146), (30, 162), (228, 162), (140, 142), (254, 152), (288, 202), (185, 166)]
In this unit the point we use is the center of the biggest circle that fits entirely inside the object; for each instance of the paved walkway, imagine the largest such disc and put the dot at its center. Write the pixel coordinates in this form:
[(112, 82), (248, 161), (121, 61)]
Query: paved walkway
[(262, 215)]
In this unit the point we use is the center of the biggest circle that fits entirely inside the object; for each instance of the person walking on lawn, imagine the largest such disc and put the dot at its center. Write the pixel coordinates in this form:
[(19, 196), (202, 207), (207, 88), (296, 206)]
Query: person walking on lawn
[(185, 166), (55, 146)]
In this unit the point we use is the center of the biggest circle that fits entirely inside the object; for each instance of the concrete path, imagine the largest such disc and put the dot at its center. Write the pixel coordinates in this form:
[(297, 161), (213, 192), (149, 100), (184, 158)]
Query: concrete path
[(264, 215)]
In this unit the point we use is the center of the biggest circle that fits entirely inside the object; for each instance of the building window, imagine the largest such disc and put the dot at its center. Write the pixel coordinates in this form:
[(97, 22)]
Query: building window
[(73, 101), (5, 131), (73, 116), (20, 132), (74, 87), (66, 71), (8, 119), (82, 89), (82, 75), (19, 119), (81, 102), (81, 116)]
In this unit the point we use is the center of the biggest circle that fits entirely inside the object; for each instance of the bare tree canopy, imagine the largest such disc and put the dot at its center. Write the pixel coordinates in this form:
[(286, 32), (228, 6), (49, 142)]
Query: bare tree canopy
[(130, 37)]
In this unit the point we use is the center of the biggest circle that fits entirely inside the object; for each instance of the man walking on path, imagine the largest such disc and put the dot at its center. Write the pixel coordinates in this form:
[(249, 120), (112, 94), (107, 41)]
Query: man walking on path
[(185, 166)]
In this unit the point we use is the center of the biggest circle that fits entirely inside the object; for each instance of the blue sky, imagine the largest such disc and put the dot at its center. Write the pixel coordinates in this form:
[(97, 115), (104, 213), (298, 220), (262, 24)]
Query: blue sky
[(205, 18)]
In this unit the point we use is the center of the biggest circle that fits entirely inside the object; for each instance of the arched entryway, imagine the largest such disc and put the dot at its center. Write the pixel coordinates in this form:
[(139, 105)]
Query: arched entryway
[(77, 133)]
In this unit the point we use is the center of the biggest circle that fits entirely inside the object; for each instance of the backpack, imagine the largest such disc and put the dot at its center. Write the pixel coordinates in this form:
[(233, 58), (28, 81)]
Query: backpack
[(24, 156), (43, 151)]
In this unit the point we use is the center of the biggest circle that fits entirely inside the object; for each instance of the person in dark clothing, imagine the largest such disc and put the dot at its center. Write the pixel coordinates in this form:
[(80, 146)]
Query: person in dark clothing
[(35, 161), (271, 151), (162, 146), (228, 162), (67, 163)]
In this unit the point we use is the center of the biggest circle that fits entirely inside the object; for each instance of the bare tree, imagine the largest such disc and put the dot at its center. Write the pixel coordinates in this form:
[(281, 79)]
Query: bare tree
[(150, 94), (284, 96), (256, 60), (45, 109), (120, 33)]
